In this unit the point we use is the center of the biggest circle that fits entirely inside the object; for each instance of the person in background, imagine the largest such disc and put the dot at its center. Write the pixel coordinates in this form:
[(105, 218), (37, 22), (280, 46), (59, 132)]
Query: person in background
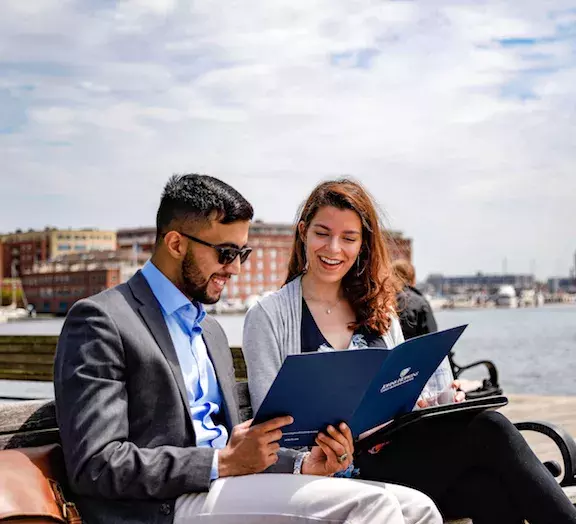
[(340, 294), (146, 406), (414, 311)]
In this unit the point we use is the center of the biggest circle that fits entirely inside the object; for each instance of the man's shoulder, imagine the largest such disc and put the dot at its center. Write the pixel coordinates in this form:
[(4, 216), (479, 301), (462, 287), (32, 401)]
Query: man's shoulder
[(92, 316), (111, 302), (113, 295)]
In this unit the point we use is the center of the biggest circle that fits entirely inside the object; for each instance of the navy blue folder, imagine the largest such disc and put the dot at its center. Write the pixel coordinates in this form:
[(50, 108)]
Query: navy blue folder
[(364, 387)]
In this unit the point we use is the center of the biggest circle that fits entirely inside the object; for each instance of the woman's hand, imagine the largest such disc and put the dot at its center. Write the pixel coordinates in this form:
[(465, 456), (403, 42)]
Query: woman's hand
[(457, 396), (333, 453), (421, 403)]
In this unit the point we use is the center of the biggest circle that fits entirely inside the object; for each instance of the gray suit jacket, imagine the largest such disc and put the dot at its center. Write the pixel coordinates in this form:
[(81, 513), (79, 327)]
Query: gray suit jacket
[(122, 409)]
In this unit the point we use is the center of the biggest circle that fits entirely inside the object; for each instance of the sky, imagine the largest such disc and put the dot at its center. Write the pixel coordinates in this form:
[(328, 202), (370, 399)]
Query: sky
[(458, 116)]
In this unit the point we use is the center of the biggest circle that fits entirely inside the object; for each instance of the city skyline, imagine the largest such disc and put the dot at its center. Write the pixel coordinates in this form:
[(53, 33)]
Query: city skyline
[(458, 117)]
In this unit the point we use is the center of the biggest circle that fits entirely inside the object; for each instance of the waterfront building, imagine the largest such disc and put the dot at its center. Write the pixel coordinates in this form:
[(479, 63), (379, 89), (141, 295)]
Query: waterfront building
[(267, 267), (138, 239), (264, 271), (399, 246), (562, 285), (53, 286), (21, 250), (449, 285)]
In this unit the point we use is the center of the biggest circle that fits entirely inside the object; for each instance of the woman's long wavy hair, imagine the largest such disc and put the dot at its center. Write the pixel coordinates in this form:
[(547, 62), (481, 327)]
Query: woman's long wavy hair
[(369, 285)]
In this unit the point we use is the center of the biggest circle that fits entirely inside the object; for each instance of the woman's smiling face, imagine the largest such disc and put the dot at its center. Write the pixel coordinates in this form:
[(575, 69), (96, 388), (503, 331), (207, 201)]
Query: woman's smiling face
[(333, 242)]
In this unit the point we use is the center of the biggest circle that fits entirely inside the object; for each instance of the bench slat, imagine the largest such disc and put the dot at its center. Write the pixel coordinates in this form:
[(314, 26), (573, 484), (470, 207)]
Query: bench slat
[(29, 439), (28, 415), (571, 493)]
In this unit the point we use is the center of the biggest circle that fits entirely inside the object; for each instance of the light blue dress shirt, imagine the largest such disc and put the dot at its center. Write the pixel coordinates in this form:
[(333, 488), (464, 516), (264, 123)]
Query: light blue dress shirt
[(183, 319)]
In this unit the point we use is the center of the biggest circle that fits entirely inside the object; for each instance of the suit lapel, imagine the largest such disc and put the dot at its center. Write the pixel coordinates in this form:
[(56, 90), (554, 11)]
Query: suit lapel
[(152, 316), (219, 357)]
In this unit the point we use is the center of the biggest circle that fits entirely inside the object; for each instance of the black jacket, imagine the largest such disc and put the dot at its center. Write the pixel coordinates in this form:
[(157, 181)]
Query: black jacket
[(415, 313)]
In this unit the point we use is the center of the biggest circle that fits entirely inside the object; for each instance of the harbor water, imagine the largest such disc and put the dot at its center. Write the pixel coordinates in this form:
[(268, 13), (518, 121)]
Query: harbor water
[(534, 349)]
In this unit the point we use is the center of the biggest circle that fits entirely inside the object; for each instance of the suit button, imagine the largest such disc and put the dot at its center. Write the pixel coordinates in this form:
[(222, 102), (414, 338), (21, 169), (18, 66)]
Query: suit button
[(165, 508)]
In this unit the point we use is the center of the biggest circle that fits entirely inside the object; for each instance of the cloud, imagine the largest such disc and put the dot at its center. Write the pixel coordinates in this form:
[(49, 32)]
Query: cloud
[(458, 116)]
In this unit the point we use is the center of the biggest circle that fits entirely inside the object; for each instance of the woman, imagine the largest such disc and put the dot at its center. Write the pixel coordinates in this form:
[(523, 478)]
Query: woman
[(340, 294), (414, 311)]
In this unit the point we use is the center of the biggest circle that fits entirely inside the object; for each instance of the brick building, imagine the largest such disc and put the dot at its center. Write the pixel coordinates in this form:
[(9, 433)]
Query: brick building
[(265, 270), (52, 287), (21, 250), (139, 239), (267, 267), (55, 292), (399, 246)]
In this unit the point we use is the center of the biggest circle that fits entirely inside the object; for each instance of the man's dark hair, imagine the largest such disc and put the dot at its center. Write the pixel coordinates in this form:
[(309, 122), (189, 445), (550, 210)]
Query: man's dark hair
[(199, 198)]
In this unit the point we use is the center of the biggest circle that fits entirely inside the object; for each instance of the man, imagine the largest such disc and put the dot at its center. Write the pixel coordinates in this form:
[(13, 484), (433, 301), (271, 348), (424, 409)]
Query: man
[(414, 311), (145, 400)]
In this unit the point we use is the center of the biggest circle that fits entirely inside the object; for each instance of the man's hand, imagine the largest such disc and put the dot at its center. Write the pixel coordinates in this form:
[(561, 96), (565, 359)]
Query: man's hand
[(324, 458), (251, 449)]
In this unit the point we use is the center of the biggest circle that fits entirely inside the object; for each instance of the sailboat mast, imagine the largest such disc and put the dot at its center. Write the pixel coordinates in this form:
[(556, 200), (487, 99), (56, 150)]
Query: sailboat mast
[(13, 275)]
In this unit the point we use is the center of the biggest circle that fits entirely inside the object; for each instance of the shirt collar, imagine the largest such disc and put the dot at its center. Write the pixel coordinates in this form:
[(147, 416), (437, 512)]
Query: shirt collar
[(171, 299)]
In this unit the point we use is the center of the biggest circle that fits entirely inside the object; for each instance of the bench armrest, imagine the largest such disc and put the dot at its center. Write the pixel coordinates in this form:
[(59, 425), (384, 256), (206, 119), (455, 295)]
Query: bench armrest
[(565, 442), (490, 367)]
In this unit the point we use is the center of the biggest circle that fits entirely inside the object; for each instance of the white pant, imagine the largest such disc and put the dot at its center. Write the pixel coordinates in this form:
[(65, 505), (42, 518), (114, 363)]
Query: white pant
[(299, 499)]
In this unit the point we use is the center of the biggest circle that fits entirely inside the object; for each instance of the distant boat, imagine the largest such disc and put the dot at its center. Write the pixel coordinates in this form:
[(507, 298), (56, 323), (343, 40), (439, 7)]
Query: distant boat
[(530, 298), (462, 301), (437, 302), (506, 297), (12, 311)]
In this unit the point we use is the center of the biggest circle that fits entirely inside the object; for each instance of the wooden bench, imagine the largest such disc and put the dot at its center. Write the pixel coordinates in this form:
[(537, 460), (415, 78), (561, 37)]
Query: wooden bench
[(26, 424)]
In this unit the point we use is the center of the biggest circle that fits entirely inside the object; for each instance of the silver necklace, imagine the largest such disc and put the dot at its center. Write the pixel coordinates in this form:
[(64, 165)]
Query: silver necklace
[(329, 309)]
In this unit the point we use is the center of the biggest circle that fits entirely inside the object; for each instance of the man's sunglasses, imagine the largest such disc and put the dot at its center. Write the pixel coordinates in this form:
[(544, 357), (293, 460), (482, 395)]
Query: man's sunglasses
[(226, 254)]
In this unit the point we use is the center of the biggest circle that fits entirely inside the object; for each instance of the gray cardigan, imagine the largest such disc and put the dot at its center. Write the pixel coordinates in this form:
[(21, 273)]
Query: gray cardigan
[(272, 331)]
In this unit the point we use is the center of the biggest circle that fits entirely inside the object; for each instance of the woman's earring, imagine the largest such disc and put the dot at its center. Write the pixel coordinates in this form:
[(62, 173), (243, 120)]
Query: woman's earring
[(305, 264), (358, 271)]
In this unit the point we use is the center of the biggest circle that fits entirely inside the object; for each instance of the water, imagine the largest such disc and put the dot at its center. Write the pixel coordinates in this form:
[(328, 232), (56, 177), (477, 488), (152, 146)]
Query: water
[(534, 349)]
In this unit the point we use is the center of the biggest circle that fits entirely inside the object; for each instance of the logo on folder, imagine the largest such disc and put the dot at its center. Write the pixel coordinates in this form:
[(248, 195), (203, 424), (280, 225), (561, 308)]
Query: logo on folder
[(404, 378)]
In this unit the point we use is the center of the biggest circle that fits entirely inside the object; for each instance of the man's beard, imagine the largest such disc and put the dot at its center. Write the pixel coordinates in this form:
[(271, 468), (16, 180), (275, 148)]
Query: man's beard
[(194, 284)]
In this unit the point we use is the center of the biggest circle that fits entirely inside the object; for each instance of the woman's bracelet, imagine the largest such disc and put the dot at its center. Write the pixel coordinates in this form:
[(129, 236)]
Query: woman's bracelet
[(299, 461)]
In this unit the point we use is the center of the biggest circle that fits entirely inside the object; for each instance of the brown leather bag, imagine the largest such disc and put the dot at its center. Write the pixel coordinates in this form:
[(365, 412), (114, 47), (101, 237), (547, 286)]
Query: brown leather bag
[(29, 491)]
